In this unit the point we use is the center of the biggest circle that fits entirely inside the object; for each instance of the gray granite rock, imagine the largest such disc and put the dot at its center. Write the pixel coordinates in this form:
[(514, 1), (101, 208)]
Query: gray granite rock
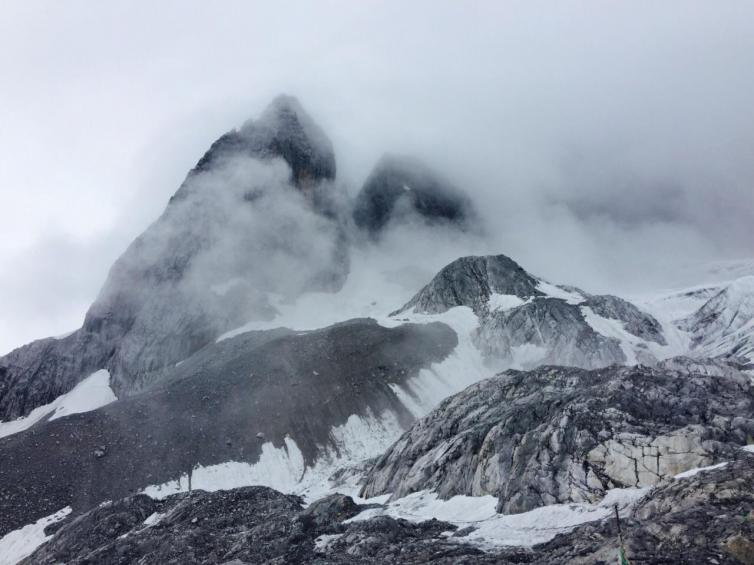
[(557, 434)]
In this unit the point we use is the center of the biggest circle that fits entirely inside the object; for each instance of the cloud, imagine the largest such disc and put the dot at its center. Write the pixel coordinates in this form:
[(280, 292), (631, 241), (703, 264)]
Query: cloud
[(603, 143)]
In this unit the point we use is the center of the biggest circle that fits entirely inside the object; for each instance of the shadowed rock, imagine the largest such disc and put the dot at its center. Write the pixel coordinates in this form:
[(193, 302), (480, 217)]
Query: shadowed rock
[(402, 189)]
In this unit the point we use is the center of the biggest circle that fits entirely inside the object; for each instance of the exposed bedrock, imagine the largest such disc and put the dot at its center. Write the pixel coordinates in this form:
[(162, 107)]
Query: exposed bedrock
[(558, 434)]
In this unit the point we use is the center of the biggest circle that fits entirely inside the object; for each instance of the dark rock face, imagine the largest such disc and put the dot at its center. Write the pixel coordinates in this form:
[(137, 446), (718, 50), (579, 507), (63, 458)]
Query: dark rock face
[(210, 409), (635, 321), (559, 434), (470, 281), (256, 215), (401, 188), (37, 373)]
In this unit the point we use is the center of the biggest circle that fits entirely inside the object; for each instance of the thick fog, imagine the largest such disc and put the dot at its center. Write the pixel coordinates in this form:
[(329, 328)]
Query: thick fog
[(606, 145)]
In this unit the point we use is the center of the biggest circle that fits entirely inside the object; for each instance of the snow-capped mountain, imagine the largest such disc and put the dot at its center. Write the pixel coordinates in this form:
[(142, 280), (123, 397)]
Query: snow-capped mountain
[(525, 321), (268, 330)]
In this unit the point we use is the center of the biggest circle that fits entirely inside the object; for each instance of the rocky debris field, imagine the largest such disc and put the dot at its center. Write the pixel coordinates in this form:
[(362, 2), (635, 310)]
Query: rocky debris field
[(706, 518)]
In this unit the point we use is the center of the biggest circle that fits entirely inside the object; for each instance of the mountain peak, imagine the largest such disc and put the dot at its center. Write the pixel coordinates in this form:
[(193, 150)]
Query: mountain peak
[(400, 187), (470, 281), (283, 130)]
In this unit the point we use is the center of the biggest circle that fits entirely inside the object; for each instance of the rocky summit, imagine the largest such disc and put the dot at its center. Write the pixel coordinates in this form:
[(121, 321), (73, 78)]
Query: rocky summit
[(402, 189), (285, 368)]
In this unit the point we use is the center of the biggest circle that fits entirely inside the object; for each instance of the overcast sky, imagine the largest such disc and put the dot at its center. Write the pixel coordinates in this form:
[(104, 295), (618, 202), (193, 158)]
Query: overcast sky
[(606, 142)]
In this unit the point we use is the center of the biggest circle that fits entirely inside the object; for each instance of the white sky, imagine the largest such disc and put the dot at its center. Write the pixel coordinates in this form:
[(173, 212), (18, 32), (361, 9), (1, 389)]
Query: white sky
[(631, 124)]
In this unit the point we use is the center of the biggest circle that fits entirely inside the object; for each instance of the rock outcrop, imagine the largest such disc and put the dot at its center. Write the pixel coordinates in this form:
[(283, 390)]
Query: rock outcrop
[(401, 189), (244, 526), (545, 331), (560, 434), (638, 323), (284, 131)]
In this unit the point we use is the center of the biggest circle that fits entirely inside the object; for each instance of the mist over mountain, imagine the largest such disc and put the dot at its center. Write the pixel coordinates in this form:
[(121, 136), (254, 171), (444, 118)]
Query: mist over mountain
[(478, 291), (602, 146)]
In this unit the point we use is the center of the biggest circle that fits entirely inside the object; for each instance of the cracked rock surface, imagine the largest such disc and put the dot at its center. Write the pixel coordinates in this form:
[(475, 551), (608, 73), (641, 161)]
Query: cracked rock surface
[(562, 434)]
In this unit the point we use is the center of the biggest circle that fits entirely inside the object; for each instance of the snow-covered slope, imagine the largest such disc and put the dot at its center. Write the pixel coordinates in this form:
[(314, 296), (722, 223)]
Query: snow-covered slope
[(276, 404), (259, 208), (724, 325), (90, 394), (712, 320), (525, 321)]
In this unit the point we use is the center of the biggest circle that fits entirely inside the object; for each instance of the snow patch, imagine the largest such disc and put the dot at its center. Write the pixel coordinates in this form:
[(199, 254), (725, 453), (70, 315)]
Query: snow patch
[(463, 367), (493, 530), (19, 544), (614, 329), (504, 301), (553, 291), (154, 518), (91, 393), (321, 543), (697, 470), (283, 468)]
